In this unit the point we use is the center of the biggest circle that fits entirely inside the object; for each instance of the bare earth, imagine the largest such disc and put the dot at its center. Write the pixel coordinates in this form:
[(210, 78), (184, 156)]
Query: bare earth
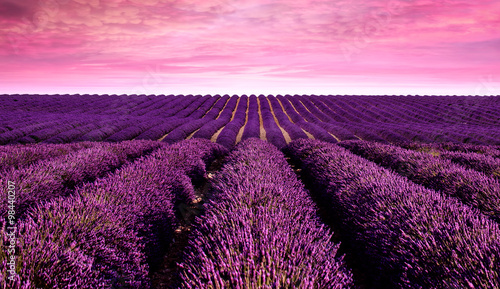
[(240, 133), (262, 130)]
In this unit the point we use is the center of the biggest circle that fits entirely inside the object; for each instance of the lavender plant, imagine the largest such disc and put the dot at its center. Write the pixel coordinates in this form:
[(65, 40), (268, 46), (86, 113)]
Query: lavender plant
[(471, 187), (260, 229), (110, 233), (404, 235), (51, 178)]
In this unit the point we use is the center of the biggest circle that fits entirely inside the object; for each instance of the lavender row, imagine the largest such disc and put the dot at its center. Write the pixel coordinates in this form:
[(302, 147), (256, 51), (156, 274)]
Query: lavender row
[(180, 105), (227, 136), (41, 135), (386, 131), (339, 121), (404, 235), (17, 156), (193, 156), (125, 130), (493, 151), (211, 127), (132, 131), (252, 127), (289, 109), (330, 114), (157, 132), (112, 232), (294, 131), (73, 134), (434, 108), (315, 110), (203, 109), (315, 123), (488, 165), (471, 187), (192, 107), (463, 109), (105, 131), (311, 122), (74, 128), (183, 131), (15, 134), (329, 120), (75, 103), (216, 109), (315, 130), (260, 229), (388, 119), (273, 133), (56, 177), (150, 106), (301, 109)]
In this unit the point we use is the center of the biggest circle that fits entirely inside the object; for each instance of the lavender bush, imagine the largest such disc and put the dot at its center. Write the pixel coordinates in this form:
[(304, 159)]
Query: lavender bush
[(57, 177), (110, 232), (17, 156), (260, 229), (404, 235), (471, 187)]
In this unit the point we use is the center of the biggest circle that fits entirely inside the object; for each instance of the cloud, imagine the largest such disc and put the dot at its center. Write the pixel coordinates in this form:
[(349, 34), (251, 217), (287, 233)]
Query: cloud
[(12, 10), (308, 38)]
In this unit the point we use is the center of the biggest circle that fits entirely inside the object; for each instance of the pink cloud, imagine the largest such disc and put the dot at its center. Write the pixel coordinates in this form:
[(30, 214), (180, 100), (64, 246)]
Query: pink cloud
[(74, 40)]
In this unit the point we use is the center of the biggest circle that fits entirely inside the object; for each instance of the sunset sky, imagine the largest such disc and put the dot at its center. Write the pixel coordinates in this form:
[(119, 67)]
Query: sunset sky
[(250, 46)]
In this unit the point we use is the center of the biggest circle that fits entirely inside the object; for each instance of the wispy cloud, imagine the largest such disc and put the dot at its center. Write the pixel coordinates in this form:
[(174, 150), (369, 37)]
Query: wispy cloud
[(78, 41)]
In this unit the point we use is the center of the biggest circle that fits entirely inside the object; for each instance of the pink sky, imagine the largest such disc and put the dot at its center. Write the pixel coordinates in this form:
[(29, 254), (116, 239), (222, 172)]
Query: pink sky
[(250, 46)]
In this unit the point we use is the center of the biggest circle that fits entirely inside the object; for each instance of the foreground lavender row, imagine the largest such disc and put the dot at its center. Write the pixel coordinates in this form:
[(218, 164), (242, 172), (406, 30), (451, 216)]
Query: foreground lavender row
[(107, 215), (21, 155), (110, 232), (260, 229), (58, 176), (405, 235), (228, 120), (438, 172)]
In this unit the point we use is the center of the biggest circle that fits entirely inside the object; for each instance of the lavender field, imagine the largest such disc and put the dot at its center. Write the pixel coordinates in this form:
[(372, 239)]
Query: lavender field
[(227, 120), (302, 191)]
